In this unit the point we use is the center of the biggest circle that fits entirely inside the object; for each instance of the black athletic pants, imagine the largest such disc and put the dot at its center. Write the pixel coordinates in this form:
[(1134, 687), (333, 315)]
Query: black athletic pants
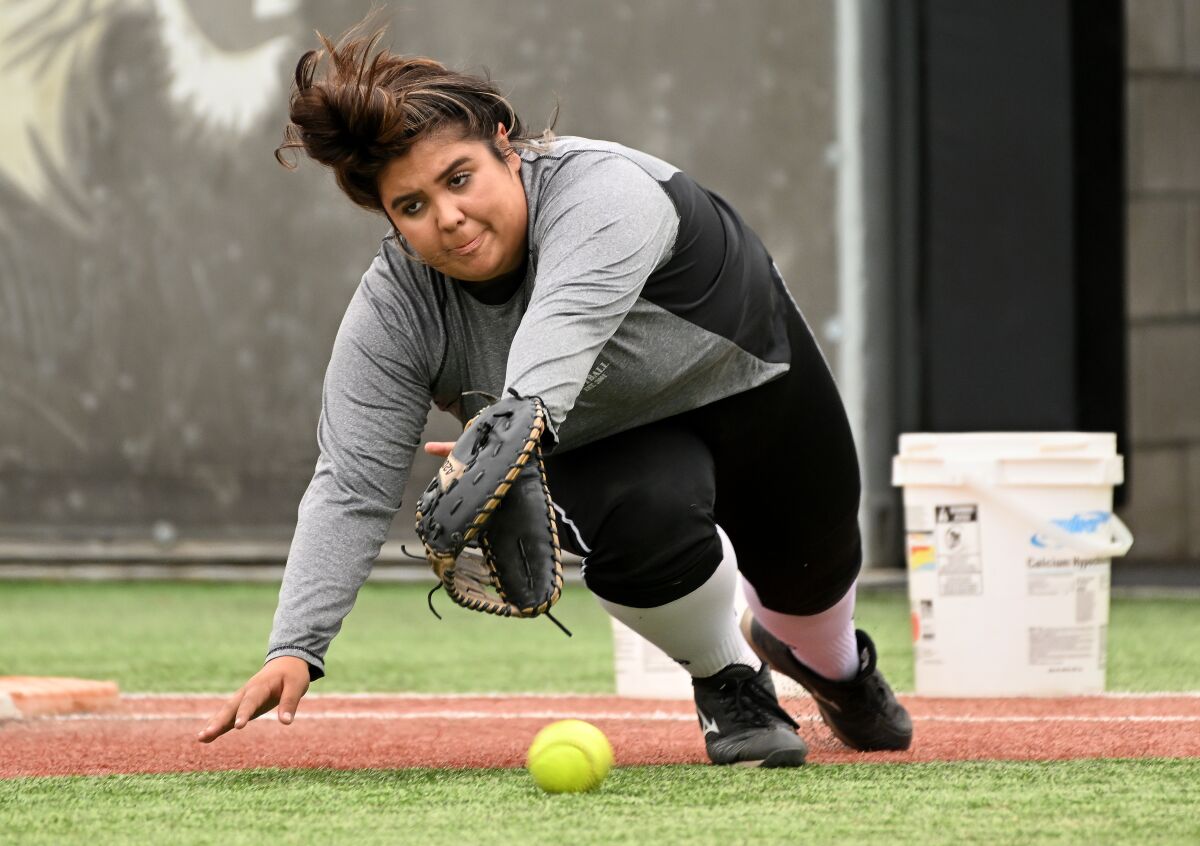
[(774, 466)]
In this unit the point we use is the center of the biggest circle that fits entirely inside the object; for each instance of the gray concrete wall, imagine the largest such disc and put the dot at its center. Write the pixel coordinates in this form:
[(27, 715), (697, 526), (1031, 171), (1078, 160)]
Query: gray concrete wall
[(168, 294), (1163, 135)]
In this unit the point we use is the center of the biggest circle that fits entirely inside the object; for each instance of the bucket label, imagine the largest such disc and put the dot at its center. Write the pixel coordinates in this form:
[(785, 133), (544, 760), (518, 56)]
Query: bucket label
[(920, 551), (1086, 523), (1062, 649), (956, 541), (1085, 599), (923, 620), (1051, 582)]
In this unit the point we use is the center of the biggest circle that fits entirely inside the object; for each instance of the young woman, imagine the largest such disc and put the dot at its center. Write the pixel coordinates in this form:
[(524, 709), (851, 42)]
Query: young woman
[(693, 420)]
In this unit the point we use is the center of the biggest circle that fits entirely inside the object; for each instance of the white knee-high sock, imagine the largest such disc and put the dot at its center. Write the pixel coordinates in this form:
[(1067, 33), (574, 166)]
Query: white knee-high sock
[(699, 630), (825, 642)]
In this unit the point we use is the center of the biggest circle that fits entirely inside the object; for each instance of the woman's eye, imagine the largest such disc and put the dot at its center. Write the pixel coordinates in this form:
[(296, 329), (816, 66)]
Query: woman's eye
[(413, 207), (458, 180)]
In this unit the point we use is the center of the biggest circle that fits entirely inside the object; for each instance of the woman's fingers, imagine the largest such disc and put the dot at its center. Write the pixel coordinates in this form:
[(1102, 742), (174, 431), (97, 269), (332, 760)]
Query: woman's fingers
[(222, 721), (441, 448), (259, 699), (283, 680), (242, 707), (290, 700)]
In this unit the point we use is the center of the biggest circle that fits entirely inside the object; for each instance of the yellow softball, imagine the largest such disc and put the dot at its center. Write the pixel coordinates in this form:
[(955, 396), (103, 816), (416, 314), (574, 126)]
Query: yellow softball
[(569, 756)]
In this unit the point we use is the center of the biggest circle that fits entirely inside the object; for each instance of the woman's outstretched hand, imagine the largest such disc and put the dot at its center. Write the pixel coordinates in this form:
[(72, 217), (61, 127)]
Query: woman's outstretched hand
[(282, 681)]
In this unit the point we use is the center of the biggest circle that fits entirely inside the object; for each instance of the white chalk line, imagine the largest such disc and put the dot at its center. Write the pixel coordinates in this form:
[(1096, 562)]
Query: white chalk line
[(400, 695), (1162, 694), (614, 716)]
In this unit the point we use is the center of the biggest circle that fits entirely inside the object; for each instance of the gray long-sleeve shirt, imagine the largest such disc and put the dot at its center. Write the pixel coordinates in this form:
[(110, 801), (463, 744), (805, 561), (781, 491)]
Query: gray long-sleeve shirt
[(644, 296)]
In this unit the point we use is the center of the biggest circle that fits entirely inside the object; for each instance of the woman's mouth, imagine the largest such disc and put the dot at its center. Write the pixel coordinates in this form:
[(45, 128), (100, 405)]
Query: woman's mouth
[(468, 248)]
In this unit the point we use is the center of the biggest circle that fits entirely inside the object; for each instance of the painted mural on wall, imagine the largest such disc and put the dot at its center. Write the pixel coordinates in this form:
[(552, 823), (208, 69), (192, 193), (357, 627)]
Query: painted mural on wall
[(142, 221), (50, 47), (169, 293)]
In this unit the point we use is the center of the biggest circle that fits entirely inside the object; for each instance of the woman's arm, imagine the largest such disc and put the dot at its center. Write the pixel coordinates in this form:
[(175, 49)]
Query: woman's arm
[(602, 229), (374, 407)]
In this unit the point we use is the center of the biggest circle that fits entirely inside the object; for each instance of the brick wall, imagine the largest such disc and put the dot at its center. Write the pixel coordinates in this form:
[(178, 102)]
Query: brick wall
[(1163, 279)]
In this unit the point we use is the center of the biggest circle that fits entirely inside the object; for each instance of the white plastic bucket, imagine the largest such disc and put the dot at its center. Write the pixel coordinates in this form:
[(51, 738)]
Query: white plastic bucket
[(1009, 539)]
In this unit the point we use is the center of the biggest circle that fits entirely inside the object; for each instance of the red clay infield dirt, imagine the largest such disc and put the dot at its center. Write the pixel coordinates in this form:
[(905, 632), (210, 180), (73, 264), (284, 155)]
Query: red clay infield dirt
[(156, 734)]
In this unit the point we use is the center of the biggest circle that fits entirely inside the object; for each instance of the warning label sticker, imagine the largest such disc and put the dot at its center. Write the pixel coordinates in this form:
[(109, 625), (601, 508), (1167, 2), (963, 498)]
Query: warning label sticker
[(956, 541)]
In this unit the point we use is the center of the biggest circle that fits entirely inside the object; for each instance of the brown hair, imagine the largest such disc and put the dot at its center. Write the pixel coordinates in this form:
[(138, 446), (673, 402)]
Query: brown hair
[(370, 106)]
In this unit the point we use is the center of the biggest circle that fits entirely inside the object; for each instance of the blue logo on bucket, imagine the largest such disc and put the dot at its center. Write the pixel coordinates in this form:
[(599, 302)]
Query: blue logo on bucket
[(1076, 524)]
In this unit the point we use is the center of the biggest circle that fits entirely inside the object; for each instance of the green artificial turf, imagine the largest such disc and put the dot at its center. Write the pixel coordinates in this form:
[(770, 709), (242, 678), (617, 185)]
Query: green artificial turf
[(211, 637), (1090, 801)]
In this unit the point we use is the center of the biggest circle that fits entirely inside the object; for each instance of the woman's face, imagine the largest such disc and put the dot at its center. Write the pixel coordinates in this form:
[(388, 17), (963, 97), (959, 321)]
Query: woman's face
[(459, 207)]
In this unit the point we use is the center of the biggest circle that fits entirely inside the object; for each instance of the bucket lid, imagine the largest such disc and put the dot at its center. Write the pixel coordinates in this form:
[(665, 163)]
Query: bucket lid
[(985, 445), (1008, 458)]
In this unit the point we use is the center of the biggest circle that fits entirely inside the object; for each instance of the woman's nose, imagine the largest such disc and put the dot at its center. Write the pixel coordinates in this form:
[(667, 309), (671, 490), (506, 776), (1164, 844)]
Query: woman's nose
[(449, 215)]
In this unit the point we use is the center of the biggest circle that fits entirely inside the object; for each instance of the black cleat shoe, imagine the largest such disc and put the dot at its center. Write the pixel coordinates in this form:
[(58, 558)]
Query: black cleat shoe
[(742, 721), (863, 712)]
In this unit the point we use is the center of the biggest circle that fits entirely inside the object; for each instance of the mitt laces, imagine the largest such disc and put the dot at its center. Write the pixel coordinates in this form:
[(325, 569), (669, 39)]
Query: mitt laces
[(440, 586), (481, 436), (485, 427)]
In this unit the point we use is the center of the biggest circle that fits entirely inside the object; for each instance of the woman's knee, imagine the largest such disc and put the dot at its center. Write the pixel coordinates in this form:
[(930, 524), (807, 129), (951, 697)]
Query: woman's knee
[(656, 545), (661, 513), (642, 504), (811, 574)]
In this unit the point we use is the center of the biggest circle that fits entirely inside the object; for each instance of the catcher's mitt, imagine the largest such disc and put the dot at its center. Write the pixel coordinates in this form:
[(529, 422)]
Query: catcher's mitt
[(486, 519)]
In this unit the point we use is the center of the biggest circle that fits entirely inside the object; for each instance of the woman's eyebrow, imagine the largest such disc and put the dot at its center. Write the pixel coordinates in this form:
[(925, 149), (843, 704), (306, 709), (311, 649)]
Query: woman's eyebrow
[(449, 169)]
